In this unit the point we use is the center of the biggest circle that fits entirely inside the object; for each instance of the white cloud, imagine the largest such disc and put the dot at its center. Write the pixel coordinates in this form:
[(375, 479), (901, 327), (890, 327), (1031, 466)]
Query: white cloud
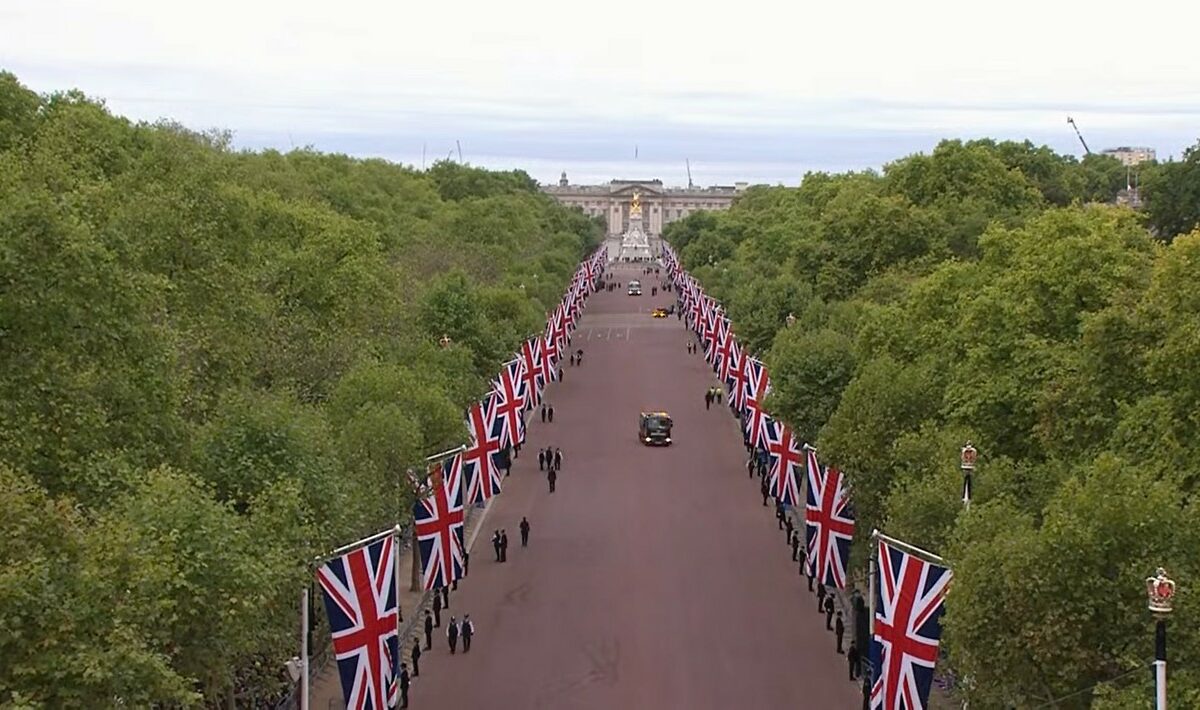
[(374, 69)]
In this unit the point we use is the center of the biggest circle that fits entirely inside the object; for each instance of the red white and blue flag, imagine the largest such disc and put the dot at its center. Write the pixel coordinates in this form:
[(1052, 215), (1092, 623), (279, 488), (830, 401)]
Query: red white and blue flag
[(360, 600), (908, 628), (479, 460), (786, 457), (737, 376), (828, 523), (531, 361), (439, 523), (509, 389), (758, 385)]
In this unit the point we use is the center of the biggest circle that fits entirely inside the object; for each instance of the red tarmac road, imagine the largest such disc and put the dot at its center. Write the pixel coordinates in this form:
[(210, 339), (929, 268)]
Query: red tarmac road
[(653, 578)]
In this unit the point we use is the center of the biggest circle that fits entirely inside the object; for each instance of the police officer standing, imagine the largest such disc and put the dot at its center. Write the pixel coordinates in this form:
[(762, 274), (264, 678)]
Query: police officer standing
[(524, 532), (496, 544), (829, 612), (416, 657), (541, 453), (503, 546), (854, 660), (403, 685), (820, 598), (795, 534), (437, 609), (557, 459), (452, 635), (839, 628), (428, 630), (468, 632), (765, 491)]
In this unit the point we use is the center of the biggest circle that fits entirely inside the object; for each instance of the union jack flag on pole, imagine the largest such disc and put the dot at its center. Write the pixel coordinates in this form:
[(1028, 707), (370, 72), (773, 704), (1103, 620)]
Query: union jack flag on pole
[(907, 629), (439, 525), (758, 385), (509, 389), (360, 600), (478, 461), (828, 524), (786, 456)]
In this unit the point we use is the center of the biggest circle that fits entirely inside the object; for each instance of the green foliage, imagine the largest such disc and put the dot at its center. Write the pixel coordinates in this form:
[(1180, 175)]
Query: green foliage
[(217, 365), (974, 293)]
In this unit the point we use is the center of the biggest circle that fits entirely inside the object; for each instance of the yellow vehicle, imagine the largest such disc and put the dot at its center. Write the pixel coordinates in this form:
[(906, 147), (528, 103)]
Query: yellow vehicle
[(659, 313), (654, 429)]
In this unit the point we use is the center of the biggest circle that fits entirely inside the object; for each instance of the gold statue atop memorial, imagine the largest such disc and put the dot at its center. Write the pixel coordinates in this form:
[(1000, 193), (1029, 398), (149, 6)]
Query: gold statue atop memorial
[(635, 207)]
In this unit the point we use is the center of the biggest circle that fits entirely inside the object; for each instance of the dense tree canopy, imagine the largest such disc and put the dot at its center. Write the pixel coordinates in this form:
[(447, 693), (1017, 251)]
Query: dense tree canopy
[(217, 364), (979, 292)]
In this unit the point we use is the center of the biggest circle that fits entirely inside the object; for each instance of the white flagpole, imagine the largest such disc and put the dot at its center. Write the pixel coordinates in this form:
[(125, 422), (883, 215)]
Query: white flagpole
[(872, 571), (304, 679)]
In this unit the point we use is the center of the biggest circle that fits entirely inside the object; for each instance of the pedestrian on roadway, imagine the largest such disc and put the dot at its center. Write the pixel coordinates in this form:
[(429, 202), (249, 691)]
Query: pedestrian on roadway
[(579, 356), (806, 568), (557, 459), (795, 545), (452, 635), (506, 458), (653, 290), (428, 630), (416, 657), (829, 612), (854, 660), (779, 514), (543, 412), (524, 532), (717, 395), (466, 563), (468, 632), (445, 597), (820, 598), (496, 543), (707, 398), (552, 477), (403, 685), (788, 527), (839, 628), (572, 359), (504, 546), (541, 453), (552, 412), (560, 379), (750, 466), (437, 609), (765, 491)]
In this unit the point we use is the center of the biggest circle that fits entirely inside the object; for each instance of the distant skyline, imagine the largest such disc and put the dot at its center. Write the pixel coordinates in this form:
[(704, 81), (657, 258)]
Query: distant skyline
[(758, 91)]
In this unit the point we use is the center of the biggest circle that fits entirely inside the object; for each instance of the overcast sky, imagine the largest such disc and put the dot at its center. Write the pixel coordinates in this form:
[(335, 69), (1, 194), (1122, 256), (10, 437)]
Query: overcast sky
[(748, 90)]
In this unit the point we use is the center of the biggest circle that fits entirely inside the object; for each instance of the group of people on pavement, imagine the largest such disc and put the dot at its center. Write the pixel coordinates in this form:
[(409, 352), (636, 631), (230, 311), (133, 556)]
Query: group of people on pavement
[(550, 461), (712, 396)]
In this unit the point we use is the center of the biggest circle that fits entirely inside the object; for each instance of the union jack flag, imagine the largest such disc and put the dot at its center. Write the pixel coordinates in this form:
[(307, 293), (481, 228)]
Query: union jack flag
[(360, 599), (531, 361), (758, 384), (439, 524), (786, 455), (725, 353), (714, 333), (510, 403), (828, 524), (737, 376), (908, 628), (479, 460)]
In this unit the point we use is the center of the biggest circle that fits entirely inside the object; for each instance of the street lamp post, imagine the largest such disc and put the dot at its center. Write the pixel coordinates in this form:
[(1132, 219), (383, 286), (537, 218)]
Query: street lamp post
[(1160, 591), (967, 464)]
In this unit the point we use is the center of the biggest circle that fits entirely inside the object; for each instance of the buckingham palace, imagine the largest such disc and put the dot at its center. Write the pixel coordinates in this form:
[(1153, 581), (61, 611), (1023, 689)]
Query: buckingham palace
[(660, 205)]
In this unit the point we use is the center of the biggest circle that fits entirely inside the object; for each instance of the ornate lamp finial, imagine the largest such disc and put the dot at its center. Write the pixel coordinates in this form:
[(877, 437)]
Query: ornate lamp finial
[(1160, 591), (968, 457)]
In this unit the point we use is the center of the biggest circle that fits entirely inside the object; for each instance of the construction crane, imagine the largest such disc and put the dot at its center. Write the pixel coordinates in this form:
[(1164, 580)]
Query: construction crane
[(689, 169), (1086, 150)]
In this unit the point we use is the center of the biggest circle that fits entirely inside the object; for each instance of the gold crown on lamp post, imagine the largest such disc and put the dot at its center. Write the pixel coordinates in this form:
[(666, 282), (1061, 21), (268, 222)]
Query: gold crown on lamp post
[(1160, 591), (444, 341)]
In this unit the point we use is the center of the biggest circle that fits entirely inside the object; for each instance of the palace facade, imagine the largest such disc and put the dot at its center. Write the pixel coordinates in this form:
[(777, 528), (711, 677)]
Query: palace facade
[(660, 205)]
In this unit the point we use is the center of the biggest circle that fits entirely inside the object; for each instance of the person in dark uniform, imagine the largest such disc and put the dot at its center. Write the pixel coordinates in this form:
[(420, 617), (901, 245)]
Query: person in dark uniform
[(445, 597), (707, 398), (468, 632), (552, 477), (551, 410), (795, 544), (543, 412), (765, 491), (507, 458), (403, 685), (496, 544), (557, 459), (504, 546), (572, 359), (789, 527), (437, 609), (416, 657), (750, 467), (804, 567), (820, 598), (466, 563), (829, 612), (779, 514), (839, 629), (854, 660), (452, 635), (428, 630), (524, 532)]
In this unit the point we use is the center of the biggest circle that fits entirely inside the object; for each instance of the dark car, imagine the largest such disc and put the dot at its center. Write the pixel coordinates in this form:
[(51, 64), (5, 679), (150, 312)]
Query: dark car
[(654, 429)]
